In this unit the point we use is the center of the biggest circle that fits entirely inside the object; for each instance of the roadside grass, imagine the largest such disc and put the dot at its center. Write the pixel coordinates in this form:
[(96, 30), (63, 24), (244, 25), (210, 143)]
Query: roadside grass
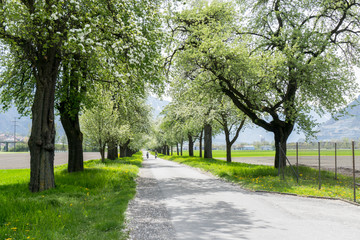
[(270, 153), (84, 205), (265, 178)]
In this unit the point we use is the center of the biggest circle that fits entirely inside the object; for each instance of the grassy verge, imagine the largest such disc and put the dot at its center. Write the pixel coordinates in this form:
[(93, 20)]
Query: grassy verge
[(265, 178), (269, 153), (84, 205)]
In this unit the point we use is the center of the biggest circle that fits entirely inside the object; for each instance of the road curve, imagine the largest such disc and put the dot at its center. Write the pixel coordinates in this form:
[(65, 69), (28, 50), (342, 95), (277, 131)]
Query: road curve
[(178, 202)]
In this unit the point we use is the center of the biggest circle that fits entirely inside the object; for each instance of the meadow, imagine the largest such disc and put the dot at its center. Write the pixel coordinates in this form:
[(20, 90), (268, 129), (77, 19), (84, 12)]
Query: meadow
[(265, 178), (270, 153), (84, 205)]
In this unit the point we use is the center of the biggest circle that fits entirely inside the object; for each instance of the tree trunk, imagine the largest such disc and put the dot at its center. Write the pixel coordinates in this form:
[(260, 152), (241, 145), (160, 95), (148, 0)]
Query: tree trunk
[(42, 139), (128, 152), (207, 141), (163, 150), (171, 149), (123, 148), (112, 151), (122, 151), (200, 142), (280, 147), (167, 150), (177, 149), (71, 94), (75, 139), (191, 145), (102, 152), (228, 152), (181, 147), (228, 142)]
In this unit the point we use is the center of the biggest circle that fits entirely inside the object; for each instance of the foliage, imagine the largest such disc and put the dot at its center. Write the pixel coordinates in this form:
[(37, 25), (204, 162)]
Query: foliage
[(85, 205), (277, 63), (100, 123), (117, 41)]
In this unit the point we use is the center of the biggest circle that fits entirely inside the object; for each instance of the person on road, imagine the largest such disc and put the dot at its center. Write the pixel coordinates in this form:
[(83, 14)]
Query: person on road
[(147, 155)]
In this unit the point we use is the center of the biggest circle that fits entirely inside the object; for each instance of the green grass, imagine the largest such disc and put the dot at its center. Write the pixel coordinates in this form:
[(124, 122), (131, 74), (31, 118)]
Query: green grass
[(84, 205), (265, 178), (268, 153)]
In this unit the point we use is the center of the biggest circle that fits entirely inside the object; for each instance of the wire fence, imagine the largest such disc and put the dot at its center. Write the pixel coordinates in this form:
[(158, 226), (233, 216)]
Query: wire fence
[(336, 158)]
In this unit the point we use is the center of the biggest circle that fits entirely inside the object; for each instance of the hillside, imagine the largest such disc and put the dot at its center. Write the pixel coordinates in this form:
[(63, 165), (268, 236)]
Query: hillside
[(23, 124), (347, 126)]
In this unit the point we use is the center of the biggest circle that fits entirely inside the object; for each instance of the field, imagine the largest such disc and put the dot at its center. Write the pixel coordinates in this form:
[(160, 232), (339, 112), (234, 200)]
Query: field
[(84, 205)]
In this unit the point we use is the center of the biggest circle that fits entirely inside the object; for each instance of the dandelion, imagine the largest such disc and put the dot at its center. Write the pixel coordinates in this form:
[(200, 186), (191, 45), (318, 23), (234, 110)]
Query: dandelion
[(71, 204), (14, 229)]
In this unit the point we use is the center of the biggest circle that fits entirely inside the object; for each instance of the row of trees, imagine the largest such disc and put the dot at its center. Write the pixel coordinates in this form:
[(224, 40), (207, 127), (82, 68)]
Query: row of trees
[(58, 54), (275, 60), (198, 113)]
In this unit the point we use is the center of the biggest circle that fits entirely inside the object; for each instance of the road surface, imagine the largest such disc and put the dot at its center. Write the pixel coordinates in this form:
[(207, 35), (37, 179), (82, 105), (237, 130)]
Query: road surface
[(174, 201), (22, 160)]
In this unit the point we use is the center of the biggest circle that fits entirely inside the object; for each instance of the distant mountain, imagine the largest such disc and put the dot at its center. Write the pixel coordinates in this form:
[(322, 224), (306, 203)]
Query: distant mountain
[(347, 126), (157, 105), (23, 124)]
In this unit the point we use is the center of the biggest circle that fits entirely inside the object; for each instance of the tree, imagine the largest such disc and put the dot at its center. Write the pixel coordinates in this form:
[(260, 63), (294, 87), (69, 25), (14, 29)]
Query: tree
[(40, 35), (232, 122), (100, 123), (275, 64)]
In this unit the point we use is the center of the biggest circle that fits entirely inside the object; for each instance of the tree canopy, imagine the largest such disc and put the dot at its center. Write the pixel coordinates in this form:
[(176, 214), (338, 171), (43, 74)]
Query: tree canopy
[(276, 60)]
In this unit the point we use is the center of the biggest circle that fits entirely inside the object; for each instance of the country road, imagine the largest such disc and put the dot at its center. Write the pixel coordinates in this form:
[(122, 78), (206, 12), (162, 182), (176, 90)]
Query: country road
[(178, 202), (22, 160)]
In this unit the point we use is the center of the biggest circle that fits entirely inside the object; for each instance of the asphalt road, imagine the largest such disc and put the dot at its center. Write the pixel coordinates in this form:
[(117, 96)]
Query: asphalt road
[(178, 202), (22, 160)]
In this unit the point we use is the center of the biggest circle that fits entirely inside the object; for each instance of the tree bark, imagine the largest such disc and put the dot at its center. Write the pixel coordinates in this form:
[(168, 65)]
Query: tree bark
[(123, 148), (42, 139), (191, 145), (207, 141), (200, 142), (177, 149), (281, 135), (128, 152), (230, 142), (112, 151), (102, 151), (163, 149), (75, 139), (181, 147)]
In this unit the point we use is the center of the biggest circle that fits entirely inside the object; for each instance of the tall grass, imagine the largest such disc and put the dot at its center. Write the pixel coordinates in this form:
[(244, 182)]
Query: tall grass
[(265, 178), (84, 205)]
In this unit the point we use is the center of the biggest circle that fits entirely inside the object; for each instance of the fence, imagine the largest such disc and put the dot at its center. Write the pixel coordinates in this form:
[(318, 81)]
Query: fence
[(338, 158)]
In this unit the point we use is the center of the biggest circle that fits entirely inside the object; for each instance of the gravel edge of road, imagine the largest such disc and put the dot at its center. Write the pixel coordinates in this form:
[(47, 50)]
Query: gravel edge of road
[(147, 217)]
